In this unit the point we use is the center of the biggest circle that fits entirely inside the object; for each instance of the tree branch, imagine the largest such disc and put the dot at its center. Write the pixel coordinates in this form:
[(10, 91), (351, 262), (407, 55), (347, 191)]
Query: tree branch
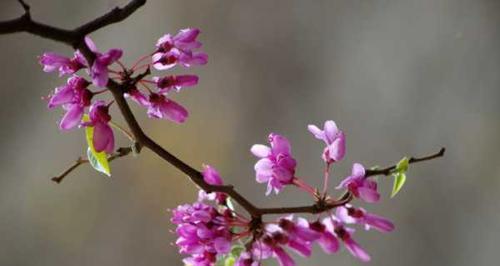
[(75, 38)]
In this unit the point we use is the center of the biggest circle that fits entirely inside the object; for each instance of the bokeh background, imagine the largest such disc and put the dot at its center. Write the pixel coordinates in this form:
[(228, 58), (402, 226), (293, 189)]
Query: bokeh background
[(400, 77)]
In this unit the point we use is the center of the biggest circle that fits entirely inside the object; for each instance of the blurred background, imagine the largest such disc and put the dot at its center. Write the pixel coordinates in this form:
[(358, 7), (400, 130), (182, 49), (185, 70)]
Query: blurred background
[(400, 77)]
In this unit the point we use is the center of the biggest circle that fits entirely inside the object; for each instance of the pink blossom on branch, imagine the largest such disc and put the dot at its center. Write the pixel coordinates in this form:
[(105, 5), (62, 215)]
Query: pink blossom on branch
[(175, 82), (178, 49), (212, 177), (360, 186), (66, 66), (99, 70), (333, 138), (276, 165), (103, 137), (73, 97), (350, 215)]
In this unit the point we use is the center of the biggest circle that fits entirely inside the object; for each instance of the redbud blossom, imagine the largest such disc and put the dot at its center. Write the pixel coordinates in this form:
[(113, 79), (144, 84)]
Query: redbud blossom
[(212, 177), (276, 166), (360, 186), (99, 70), (66, 66), (345, 235), (203, 233), (168, 83), (334, 140), (73, 97), (178, 49), (162, 107), (351, 215), (103, 137)]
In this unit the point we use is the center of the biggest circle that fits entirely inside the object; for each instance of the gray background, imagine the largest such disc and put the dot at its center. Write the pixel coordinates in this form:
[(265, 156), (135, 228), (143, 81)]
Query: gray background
[(400, 77)]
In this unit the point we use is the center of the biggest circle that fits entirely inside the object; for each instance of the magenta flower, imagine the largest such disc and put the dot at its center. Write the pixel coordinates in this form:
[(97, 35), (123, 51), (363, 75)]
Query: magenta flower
[(178, 49), (162, 107), (333, 224), (272, 246), (103, 137), (185, 40), (99, 70), (246, 259), (351, 215), (136, 95), (73, 97), (66, 66), (168, 83), (203, 233), (327, 241), (276, 166), (300, 236), (334, 140), (163, 61), (360, 186), (212, 177)]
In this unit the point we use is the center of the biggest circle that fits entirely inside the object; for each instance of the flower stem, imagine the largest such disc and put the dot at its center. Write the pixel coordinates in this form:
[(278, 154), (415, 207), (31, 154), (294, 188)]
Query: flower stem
[(304, 186), (123, 130)]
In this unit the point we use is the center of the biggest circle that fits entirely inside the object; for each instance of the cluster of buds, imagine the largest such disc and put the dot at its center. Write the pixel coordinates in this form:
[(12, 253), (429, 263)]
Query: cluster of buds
[(77, 94), (275, 239)]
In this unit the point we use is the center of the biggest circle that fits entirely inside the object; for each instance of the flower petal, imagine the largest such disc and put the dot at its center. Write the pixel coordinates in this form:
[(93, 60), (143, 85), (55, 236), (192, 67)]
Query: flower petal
[(260, 150), (72, 118)]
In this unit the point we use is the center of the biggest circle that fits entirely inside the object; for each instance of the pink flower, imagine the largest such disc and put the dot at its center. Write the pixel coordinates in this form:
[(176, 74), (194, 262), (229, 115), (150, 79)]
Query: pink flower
[(327, 241), (246, 259), (162, 107), (299, 235), (73, 97), (66, 66), (99, 70), (276, 166), (168, 83), (360, 186), (272, 245), (103, 137), (350, 215), (333, 224), (185, 40), (334, 140), (203, 233), (212, 177), (164, 61), (178, 49)]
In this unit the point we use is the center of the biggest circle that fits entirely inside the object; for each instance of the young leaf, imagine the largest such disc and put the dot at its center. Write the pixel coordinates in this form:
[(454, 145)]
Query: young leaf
[(230, 260), (402, 165), (98, 160), (399, 181), (236, 250)]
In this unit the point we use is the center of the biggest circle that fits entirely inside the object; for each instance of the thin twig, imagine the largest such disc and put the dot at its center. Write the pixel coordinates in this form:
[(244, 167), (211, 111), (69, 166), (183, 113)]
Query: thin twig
[(388, 170), (121, 152)]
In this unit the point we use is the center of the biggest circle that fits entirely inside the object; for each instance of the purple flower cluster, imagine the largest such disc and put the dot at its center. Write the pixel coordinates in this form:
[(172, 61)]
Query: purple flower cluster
[(203, 231), (77, 95), (277, 168)]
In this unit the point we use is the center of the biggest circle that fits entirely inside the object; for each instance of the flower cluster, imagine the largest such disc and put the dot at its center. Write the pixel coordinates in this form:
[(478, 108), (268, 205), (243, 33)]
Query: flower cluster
[(77, 95), (276, 239)]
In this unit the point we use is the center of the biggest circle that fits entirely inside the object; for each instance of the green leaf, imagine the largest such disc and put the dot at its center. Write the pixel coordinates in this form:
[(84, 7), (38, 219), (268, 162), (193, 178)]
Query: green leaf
[(402, 165), (230, 260), (399, 181), (236, 250), (98, 160)]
